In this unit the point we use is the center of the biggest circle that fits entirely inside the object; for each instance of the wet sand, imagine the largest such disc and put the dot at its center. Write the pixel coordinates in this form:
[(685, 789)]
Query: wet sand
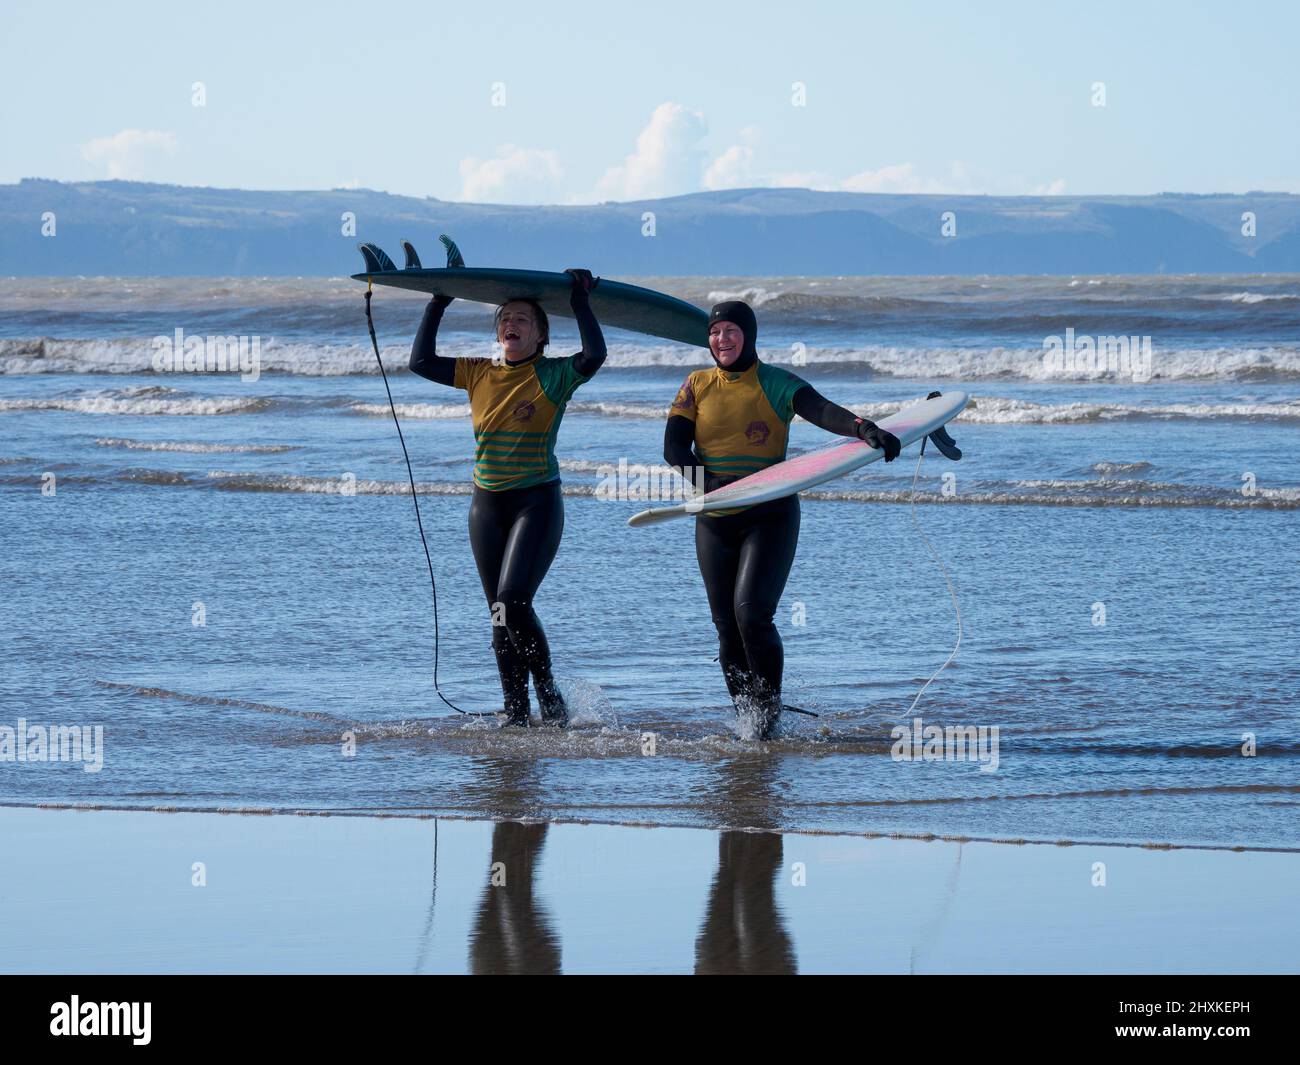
[(118, 892)]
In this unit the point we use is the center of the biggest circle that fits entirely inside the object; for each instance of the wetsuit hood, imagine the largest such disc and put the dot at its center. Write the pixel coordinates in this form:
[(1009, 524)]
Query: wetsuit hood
[(741, 315)]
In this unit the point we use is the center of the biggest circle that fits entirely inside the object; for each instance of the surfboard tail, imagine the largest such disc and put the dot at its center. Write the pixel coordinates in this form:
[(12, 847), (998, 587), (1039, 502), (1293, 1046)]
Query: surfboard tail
[(655, 515)]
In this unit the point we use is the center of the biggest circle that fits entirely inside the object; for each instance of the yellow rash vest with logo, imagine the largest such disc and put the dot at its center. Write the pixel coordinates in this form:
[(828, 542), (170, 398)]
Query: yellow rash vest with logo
[(516, 412), (742, 420)]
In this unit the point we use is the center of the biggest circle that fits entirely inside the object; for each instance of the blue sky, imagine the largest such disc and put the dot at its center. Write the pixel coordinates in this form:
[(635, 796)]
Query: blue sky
[(626, 101)]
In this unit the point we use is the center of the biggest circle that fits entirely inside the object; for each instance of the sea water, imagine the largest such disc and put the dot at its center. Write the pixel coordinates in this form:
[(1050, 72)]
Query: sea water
[(222, 570)]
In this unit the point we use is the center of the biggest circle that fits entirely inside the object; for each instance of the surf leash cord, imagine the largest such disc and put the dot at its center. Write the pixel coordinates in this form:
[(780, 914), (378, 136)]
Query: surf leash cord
[(942, 569), (433, 584)]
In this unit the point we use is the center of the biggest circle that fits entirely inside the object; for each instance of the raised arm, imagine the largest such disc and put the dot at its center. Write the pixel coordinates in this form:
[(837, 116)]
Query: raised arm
[(813, 407), (592, 356), (425, 359)]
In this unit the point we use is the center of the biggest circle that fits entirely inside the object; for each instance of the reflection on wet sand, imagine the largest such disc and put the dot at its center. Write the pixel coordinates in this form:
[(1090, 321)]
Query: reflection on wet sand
[(743, 929), (512, 933)]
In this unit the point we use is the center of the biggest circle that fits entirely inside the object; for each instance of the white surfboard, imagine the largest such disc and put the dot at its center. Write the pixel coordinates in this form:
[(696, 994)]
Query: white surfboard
[(910, 424)]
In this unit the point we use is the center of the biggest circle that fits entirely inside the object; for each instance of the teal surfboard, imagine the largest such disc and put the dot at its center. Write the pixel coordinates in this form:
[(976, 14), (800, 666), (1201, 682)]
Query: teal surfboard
[(615, 303)]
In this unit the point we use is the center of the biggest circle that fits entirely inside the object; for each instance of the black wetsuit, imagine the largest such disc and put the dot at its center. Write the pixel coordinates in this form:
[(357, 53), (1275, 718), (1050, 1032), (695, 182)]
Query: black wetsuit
[(745, 556), (745, 559), (515, 532)]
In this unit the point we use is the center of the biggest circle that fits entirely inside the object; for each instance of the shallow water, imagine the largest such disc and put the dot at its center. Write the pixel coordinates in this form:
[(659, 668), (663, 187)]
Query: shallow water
[(1168, 503)]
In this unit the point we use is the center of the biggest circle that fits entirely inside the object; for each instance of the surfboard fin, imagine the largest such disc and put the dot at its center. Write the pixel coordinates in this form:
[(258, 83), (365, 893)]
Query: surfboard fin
[(412, 257), (377, 260), (943, 442), (454, 257), (946, 444)]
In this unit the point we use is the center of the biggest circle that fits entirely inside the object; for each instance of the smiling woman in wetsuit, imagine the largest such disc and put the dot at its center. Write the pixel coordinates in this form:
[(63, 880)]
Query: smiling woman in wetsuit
[(516, 514), (726, 423)]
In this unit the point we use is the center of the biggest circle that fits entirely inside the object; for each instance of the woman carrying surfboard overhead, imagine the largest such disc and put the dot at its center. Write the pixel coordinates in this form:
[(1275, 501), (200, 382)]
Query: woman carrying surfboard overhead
[(726, 423), (516, 513)]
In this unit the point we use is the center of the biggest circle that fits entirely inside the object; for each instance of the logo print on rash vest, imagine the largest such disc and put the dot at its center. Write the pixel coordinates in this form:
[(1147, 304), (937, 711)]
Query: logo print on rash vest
[(524, 412), (757, 433), (685, 398)]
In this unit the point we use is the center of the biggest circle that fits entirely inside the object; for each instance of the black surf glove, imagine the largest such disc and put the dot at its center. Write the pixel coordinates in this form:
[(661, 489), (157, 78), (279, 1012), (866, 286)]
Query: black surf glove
[(441, 302), (583, 283), (874, 436)]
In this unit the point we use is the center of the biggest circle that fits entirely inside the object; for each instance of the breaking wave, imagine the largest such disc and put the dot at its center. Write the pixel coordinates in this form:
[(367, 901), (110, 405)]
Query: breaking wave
[(192, 447), (1024, 361), (147, 400), (1102, 489)]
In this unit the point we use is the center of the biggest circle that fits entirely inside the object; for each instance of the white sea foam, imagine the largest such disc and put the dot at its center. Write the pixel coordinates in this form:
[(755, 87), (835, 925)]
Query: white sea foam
[(973, 364), (1105, 490), (985, 410), (230, 480), (1063, 492), (140, 401), (1259, 297), (755, 296), (335, 486), (193, 448), (1001, 410), (583, 465), (437, 411), (412, 410), (134, 355), (995, 410), (1110, 468)]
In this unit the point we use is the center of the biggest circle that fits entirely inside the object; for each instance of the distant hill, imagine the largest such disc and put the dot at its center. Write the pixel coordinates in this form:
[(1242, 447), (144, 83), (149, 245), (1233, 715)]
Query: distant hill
[(134, 228)]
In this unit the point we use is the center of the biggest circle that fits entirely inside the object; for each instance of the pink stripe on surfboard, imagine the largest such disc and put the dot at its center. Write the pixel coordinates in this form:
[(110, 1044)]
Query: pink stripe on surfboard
[(812, 463)]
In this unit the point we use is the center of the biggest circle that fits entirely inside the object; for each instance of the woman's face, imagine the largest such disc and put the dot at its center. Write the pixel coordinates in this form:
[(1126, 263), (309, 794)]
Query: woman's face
[(726, 339), (517, 331)]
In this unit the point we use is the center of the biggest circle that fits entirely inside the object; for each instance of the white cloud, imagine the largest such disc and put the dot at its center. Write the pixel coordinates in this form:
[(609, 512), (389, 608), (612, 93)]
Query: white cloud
[(798, 179), (667, 161), (899, 178), (740, 166), (514, 175), (126, 154), (960, 180), (734, 168)]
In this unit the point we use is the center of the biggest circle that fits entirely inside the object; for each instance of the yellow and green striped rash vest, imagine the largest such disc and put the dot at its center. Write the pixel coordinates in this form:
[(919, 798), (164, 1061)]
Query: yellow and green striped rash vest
[(742, 420), (516, 412)]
